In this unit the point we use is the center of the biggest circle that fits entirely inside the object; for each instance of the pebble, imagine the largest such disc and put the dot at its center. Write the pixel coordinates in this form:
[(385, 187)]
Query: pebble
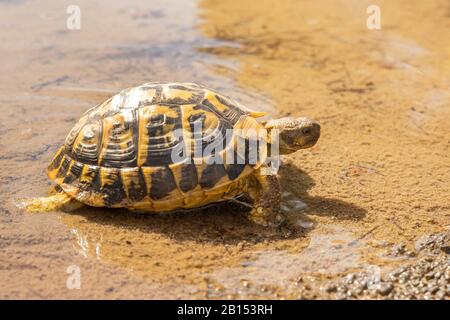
[(440, 295), (349, 278), (245, 283), (385, 288), (330, 288), (424, 277)]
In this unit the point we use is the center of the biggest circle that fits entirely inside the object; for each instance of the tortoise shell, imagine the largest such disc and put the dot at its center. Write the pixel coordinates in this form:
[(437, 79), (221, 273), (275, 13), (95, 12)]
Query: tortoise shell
[(121, 152)]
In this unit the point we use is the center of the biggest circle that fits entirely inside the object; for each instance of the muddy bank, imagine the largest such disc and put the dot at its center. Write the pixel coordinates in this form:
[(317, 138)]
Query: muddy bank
[(381, 97), (382, 165)]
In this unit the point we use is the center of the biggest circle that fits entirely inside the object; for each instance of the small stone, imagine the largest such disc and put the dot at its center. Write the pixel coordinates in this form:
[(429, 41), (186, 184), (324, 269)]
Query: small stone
[(341, 296), (306, 287), (411, 254), (429, 276), (397, 272), (440, 295), (299, 279), (427, 296), (246, 264), (405, 275), (349, 278), (398, 249), (432, 289), (341, 288), (245, 283), (330, 287), (358, 291), (385, 288)]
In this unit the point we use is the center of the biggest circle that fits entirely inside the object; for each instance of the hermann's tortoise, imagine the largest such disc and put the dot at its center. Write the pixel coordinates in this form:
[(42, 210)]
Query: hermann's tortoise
[(141, 150)]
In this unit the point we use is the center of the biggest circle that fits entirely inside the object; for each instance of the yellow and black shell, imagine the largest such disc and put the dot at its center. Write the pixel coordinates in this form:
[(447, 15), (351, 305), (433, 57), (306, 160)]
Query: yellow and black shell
[(120, 153)]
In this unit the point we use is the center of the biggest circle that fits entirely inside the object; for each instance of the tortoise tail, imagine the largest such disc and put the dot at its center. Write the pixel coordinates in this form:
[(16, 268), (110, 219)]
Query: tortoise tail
[(53, 202)]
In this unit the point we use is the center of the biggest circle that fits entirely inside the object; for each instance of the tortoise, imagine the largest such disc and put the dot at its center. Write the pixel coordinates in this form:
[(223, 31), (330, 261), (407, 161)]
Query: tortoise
[(124, 153)]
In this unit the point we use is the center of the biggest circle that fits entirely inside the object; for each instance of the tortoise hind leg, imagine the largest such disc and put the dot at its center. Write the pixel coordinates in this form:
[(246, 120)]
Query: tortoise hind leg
[(53, 202), (266, 194)]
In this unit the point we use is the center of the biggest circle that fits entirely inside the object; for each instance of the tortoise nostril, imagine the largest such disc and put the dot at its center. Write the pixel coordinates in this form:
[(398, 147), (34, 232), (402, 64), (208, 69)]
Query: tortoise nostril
[(306, 131)]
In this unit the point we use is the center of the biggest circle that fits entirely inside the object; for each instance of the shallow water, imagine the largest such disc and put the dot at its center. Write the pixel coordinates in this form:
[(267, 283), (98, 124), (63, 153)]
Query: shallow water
[(365, 187), (50, 75)]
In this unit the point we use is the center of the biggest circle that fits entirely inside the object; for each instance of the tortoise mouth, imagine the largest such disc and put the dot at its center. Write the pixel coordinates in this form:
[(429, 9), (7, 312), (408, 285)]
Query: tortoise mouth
[(291, 149), (310, 143), (286, 150)]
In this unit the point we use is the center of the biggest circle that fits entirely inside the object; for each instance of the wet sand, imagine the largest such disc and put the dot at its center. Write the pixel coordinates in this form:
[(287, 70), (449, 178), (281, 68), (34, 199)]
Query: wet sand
[(374, 186)]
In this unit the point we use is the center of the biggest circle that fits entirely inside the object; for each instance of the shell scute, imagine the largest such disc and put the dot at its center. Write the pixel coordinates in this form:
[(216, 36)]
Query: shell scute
[(90, 179), (134, 183), (87, 143), (223, 107), (179, 94), (186, 176), (158, 135), (74, 172), (119, 149), (212, 174), (111, 186), (163, 183)]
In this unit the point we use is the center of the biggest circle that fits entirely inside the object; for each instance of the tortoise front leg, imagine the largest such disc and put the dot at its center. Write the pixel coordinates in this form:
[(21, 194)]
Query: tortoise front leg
[(265, 191)]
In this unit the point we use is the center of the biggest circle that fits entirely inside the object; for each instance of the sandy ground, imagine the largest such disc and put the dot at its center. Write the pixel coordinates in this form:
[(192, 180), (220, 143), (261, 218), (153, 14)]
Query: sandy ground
[(372, 190)]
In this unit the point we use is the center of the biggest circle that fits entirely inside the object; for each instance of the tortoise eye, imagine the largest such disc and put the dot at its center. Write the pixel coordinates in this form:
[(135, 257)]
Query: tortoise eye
[(306, 131)]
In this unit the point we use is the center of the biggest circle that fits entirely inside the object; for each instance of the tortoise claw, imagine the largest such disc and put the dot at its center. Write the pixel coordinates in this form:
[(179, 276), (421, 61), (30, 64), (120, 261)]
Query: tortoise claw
[(267, 217)]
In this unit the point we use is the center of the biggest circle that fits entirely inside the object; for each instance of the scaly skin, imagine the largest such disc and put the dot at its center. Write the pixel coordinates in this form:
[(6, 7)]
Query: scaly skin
[(294, 134), (54, 202), (266, 194)]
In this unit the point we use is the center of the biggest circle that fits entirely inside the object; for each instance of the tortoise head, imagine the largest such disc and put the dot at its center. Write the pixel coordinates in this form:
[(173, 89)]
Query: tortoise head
[(295, 133)]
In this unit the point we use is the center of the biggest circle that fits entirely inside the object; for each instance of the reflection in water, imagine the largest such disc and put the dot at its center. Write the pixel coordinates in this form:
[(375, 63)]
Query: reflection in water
[(328, 253), (291, 203), (189, 247), (84, 245), (177, 246)]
